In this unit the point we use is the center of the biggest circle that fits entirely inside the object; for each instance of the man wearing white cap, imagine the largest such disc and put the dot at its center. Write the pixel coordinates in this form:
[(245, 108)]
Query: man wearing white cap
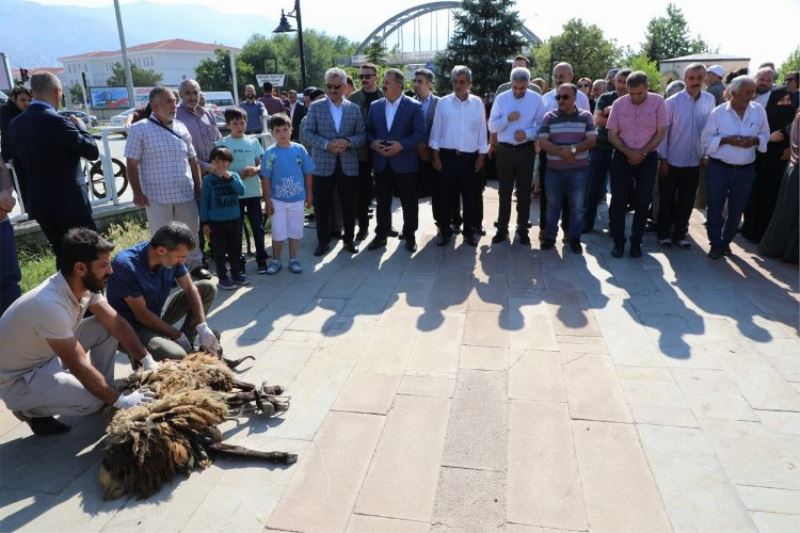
[(714, 84)]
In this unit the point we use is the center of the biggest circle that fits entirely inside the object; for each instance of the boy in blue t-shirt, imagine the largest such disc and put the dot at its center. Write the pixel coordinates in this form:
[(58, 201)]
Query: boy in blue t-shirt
[(219, 215), (286, 171), (247, 153)]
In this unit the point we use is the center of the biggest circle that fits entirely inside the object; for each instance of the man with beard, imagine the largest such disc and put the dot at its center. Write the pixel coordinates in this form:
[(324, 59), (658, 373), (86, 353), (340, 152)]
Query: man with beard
[(765, 78), (256, 112), (296, 112), (44, 366), (20, 100)]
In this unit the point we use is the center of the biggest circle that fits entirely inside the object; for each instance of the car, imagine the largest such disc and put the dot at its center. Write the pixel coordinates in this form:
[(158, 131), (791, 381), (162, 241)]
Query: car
[(221, 125), (3, 98), (89, 120), (118, 121)]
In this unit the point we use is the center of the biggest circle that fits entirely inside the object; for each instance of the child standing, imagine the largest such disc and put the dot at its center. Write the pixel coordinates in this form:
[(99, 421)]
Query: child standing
[(247, 154), (219, 214), (286, 168)]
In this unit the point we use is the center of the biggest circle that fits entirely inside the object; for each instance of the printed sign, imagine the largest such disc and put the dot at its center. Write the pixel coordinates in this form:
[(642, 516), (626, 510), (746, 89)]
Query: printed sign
[(277, 80), (117, 97)]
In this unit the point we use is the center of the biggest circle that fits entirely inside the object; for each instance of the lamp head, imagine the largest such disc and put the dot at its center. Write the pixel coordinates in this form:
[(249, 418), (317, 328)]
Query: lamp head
[(284, 26)]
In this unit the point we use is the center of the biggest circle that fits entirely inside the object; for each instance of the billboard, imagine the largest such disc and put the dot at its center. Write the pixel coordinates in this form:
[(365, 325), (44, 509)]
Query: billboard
[(117, 97)]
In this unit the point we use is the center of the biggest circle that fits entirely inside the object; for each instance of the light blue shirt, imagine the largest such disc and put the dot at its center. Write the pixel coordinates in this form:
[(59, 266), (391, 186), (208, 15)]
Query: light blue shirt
[(336, 112), (531, 112), (724, 121), (687, 118), (391, 111), (426, 104)]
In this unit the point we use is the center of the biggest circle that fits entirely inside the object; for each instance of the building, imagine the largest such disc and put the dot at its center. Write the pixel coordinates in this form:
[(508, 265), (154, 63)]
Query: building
[(674, 67), (175, 59)]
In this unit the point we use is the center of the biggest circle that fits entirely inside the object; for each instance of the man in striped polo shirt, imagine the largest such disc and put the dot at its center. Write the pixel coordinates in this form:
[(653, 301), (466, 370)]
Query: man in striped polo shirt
[(567, 134)]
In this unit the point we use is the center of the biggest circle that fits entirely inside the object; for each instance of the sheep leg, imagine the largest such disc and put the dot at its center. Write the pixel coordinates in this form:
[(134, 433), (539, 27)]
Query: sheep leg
[(240, 399), (239, 451), (233, 363), (243, 385)]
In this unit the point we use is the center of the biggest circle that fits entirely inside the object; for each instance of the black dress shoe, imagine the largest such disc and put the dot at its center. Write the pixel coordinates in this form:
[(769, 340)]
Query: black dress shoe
[(500, 236), (362, 234), (411, 244), (377, 242), (636, 250), (455, 228), (442, 239), (715, 252), (351, 247), (482, 231), (523, 238), (321, 249), (726, 250), (43, 426), (471, 240), (336, 235), (548, 244), (393, 233), (575, 246), (618, 250), (200, 273)]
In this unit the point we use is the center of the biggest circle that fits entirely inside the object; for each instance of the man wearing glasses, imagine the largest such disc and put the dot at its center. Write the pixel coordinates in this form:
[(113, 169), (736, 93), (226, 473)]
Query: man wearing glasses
[(334, 128), (363, 98)]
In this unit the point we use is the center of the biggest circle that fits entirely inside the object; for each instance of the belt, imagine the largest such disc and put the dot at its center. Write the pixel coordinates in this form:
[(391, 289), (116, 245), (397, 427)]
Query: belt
[(527, 144), (456, 152), (729, 165)]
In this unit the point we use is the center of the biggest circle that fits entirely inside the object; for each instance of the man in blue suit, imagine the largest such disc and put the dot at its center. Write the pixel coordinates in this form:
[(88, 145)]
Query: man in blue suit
[(49, 148), (395, 126), (335, 129)]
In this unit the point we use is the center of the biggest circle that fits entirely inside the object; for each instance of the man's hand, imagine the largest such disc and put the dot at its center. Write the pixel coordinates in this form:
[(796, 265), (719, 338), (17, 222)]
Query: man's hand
[(269, 207), (663, 168), (140, 199), (514, 115), (309, 200), (207, 230), (248, 171), (137, 397), (480, 162), (148, 363), (392, 148), (78, 122), (520, 136), (437, 161), (7, 201), (636, 156), (208, 340), (776, 137), (377, 145), (183, 342)]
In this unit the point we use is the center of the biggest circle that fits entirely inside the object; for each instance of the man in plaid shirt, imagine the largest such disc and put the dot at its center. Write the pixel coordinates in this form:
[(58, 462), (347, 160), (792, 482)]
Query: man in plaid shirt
[(164, 172)]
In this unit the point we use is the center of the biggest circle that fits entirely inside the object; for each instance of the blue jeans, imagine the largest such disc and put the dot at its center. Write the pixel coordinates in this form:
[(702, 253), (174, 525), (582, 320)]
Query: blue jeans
[(599, 164), (569, 182), (10, 275), (730, 183)]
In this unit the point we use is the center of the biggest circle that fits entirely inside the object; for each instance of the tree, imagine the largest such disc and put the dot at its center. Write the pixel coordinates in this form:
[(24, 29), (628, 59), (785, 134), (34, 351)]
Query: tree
[(76, 95), (668, 37), (792, 64), (487, 33), (649, 67), (214, 74), (582, 46), (376, 52), (142, 77)]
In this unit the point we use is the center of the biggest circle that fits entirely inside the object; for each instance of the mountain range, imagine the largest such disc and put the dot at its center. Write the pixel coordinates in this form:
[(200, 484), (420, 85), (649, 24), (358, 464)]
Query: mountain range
[(36, 35)]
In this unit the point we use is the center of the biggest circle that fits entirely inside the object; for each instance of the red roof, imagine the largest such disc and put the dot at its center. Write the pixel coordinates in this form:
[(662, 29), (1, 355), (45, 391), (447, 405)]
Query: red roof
[(176, 45), (37, 70)]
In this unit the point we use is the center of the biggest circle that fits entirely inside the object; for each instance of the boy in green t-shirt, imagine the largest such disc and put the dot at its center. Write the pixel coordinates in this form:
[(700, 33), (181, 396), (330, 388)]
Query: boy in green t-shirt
[(247, 152)]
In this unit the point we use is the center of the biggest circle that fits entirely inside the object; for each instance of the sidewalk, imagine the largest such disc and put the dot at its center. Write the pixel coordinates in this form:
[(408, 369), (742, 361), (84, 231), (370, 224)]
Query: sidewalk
[(497, 388)]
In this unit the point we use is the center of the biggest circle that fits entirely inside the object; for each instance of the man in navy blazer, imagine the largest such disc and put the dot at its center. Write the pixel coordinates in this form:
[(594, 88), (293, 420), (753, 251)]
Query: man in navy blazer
[(395, 126), (49, 148)]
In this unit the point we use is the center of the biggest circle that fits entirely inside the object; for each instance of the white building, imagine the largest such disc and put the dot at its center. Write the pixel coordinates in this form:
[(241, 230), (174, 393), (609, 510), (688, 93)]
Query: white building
[(175, 59)]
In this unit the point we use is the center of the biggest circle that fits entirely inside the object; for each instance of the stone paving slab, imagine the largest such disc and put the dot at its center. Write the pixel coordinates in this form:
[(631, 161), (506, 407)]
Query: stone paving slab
[(480, 389)]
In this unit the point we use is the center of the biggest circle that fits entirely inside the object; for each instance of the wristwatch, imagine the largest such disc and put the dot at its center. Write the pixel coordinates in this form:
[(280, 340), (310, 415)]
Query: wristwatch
[(573, 150)]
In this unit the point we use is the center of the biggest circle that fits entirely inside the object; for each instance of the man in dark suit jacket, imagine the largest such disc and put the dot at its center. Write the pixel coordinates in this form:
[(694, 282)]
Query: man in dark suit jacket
[(335, 129), (49, 148), (296, 112), (18, 102), (395, 126)]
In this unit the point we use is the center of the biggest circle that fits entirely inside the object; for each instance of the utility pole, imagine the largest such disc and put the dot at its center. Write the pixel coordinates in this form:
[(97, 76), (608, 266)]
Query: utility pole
[(125, 61)]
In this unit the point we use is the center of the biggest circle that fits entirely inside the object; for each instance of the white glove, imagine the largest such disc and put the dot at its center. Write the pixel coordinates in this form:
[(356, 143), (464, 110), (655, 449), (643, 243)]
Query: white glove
[(207, 338), (183, 342), (148, 363), (137, 397)]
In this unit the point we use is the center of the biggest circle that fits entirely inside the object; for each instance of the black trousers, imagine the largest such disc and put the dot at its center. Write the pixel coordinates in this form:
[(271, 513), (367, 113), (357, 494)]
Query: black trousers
[(406, 184), (55, 228), (226, 245), (676, 194), (624, 176), (364, 192), (432, 178), (515, 167), (599, 163), (543, 199), (323, 203), (459, 180)]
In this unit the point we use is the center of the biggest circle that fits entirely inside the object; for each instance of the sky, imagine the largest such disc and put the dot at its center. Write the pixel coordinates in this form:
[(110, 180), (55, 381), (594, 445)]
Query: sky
[(766, 30)]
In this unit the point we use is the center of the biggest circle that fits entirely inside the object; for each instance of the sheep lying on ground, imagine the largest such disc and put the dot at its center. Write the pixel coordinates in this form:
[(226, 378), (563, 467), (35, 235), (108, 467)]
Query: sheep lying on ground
[(146, 446)]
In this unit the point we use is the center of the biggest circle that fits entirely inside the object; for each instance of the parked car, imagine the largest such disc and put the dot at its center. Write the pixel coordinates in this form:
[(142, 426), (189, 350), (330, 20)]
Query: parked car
[(218, 101), (3, 98), (119, 120), (89, 120)]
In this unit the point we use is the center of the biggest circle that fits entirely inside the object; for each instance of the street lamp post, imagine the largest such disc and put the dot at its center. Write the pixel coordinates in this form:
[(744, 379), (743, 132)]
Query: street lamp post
[(285, 27), (126, 64)]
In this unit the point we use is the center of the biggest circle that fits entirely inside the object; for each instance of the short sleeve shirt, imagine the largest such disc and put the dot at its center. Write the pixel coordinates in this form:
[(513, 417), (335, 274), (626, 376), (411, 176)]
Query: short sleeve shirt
[(50, 311), (286, 168), (245, 152), (255, 112), (636, 124), (605, 100), (566, 129), (133, 277)]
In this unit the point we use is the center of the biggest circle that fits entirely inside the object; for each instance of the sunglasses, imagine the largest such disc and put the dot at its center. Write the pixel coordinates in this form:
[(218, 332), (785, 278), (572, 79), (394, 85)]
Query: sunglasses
[(582, 85), (365, 76), (563, 96), (333, 87)]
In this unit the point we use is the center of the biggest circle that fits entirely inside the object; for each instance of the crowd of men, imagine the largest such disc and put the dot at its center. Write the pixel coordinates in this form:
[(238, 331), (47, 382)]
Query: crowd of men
[(732, 148)]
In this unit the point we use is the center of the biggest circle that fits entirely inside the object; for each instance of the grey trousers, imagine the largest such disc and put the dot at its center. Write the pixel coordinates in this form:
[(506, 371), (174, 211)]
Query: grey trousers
[(175, 308), (51, 389), (159, 215)]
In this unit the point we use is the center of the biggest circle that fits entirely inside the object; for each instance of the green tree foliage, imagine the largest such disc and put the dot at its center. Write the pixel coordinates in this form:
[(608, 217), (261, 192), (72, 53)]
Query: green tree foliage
[(142, 77), (649, 67), (214, 74), (582, 46), (487, 33), (668, 37), (76, 95), (376, 52), (792, 64)]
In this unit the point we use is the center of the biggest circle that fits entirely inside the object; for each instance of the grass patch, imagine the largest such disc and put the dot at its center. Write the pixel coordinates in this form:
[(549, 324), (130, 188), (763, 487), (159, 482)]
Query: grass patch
[(37, 262)]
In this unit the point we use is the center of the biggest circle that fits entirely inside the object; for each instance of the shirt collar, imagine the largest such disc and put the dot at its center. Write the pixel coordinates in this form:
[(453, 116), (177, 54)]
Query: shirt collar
[(330, 103), (63, 287), (42, 102), (396, 103)]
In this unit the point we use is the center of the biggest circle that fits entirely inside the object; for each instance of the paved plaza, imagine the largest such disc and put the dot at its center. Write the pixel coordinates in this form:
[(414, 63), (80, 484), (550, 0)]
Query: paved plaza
[(493, 389)]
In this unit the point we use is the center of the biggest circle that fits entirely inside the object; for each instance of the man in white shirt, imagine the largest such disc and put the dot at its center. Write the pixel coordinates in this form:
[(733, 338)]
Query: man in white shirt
[(515, 119), (459, 140), (53, 361), (732, 134)]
